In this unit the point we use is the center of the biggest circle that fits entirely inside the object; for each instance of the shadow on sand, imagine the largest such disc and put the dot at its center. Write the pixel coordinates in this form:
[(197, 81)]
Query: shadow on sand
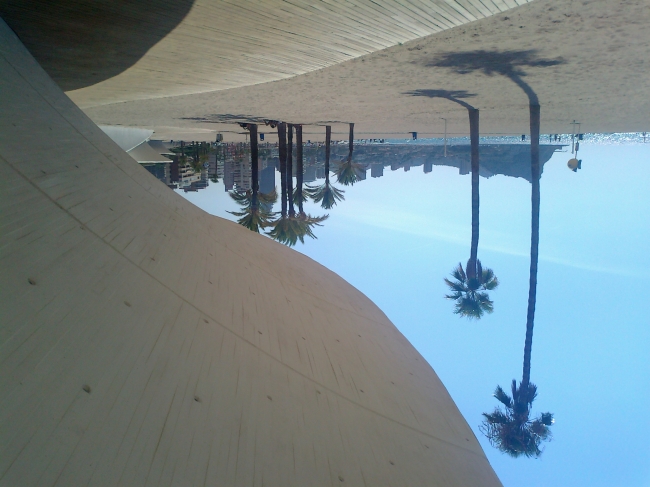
[(83, 42)]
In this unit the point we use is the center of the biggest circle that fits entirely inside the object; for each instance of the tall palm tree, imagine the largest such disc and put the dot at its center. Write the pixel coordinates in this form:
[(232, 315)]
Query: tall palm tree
[(469, 289), (289, 174), (299, 195), (348, 172), (282, 152), (534, 236), (326, 194), (512, 431), (252, 128), (351, 141)]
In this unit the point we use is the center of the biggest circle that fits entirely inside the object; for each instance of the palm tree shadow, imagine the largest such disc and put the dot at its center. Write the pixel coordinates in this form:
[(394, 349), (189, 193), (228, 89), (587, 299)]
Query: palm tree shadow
[(81, 43), (510, 64), (457, 96)]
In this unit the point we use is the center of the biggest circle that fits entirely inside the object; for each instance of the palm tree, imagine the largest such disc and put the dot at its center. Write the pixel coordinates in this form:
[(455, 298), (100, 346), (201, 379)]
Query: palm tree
[(348, 172), (299, 195), (470, 293), (512, 431), (469, 289), (326, 194), (282, 150), (351, 141), (289, 173), (254, 161)]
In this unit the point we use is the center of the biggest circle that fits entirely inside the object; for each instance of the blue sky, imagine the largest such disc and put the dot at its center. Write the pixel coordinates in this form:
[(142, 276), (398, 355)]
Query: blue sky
[(396, 237)]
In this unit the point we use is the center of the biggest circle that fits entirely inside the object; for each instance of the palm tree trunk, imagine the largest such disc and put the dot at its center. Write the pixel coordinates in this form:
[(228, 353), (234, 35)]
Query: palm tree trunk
[(290, 168), (534, 240), (282, 149), (328, 141), (351, 141), (254, 164), (474, 140), (299, 169)]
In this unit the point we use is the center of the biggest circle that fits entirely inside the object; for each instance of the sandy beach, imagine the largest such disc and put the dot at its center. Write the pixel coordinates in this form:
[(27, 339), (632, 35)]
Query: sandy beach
[(585, 61)]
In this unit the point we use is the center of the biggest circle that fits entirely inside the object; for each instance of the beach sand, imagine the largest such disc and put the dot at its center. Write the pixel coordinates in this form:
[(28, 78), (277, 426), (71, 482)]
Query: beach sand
[(585, 60)]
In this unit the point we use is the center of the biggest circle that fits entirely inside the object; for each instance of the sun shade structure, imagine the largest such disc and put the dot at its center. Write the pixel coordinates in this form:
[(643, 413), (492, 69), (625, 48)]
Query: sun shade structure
[(146, 342)]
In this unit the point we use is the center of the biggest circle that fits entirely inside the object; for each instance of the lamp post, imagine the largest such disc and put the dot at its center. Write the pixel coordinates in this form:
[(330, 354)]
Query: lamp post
[(445, 136)]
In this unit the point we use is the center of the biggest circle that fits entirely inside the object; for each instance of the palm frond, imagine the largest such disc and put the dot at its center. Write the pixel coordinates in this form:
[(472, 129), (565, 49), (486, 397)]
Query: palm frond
[(269, 198), (455, 286), (485, 302), (491, 283), (300, 196), (241, 197), (486, 274), (291, 229), (348, 172), (327, 194), (502, 397), (468, 308), (496, 417), (455, 296), (460, 272)]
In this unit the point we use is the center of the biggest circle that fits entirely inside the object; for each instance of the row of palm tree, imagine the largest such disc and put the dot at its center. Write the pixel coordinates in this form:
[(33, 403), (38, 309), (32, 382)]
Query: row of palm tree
[(327, 194), (287, 226)]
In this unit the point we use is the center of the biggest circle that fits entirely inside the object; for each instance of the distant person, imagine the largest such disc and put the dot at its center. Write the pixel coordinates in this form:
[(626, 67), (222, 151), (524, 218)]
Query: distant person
[(523, 137)]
